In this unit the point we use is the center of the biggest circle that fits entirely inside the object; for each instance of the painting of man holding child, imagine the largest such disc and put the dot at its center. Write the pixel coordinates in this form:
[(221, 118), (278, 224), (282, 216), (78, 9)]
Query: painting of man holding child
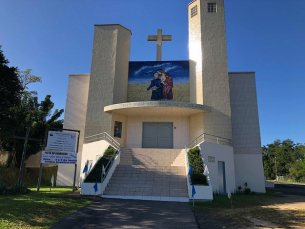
[(161, 86), (154, 80)]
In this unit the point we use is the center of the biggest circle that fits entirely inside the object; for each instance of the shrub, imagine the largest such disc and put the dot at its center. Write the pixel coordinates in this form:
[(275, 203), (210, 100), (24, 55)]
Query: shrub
[(198, 179), (194, 157), (96, 172), (247, 191), (3, 188), (19, 188), (109, 152)]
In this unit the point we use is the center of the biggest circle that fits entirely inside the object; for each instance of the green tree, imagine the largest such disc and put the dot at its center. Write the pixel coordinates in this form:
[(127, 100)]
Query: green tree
[(280, 156), (38, 117), (297, 170), (25, 78), (20, 109), (10, 92)]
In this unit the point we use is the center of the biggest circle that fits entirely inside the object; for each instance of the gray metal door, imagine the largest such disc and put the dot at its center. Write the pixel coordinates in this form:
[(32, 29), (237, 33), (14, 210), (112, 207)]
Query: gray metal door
[(157, 135), (221, 177)]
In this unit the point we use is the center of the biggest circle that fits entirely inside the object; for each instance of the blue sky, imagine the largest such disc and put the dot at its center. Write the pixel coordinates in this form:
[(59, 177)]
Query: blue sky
[(55, 38)]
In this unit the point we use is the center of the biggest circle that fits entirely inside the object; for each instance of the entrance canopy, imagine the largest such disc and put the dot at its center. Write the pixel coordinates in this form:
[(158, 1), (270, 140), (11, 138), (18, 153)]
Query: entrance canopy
[(157, 108)]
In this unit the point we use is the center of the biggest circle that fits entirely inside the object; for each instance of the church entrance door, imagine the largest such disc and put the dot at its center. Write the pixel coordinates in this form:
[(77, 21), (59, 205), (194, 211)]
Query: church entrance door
[(157, 135)]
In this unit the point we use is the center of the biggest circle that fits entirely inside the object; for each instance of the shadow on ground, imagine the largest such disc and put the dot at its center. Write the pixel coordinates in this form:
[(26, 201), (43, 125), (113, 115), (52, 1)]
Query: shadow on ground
[(117, 213)]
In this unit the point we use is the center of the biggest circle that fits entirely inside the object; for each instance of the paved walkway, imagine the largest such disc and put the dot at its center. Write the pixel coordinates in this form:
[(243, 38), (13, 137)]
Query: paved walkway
[(116, 213)]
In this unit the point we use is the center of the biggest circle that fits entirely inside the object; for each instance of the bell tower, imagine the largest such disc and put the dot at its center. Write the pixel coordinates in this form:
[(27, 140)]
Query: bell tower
[(209, 80)]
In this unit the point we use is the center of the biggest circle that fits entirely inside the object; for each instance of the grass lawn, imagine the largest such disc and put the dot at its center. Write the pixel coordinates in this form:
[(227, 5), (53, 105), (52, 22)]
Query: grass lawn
[(37, 209), (238, 201), (248, 211)]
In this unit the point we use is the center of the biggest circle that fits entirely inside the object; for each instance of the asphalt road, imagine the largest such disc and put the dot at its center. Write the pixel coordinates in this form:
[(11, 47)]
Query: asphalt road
[(291, 189), (117, 213)]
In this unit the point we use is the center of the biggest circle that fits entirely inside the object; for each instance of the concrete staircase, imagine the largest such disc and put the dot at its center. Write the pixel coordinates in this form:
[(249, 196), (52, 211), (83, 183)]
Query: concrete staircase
[(149, 174)]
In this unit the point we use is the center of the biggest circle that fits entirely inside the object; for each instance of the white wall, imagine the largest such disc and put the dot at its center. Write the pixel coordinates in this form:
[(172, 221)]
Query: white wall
[(221, 153), (75, 118), (91, 151), (135, 125), (249, 168)]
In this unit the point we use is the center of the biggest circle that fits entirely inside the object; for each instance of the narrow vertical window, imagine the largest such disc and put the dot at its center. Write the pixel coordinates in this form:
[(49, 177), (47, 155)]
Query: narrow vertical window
[(194, 11), (212, 7)]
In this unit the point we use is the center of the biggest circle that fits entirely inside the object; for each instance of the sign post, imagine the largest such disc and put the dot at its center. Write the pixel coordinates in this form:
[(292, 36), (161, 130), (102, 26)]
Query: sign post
[(60, 150)]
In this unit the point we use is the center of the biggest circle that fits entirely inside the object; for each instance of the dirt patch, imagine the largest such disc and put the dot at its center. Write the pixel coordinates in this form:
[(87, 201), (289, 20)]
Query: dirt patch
[(278, 212), (287, 202)]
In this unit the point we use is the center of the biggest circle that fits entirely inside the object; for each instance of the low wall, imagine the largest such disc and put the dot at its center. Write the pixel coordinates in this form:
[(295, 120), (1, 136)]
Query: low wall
[(202, 192), (269, 184), (87, 188)]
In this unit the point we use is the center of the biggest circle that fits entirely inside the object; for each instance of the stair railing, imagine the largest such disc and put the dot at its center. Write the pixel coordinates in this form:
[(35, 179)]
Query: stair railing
[(204, 137), (109, 164), (102, 136)]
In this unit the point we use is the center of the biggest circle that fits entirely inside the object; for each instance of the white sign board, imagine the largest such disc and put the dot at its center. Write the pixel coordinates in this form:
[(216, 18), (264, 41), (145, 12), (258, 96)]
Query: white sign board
[(61, 141), (50, 157)]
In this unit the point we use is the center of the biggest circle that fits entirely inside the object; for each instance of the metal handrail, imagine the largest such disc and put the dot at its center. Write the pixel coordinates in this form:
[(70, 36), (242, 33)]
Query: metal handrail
[(204, 137), (102, 136), (187, 165), (109, 164)]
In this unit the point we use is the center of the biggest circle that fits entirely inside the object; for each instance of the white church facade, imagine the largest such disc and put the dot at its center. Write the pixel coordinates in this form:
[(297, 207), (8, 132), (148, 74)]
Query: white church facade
[(163, 107)]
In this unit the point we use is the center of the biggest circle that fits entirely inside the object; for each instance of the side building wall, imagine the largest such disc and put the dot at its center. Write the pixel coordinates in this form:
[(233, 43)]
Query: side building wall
[(75, 118), (220, 153), (245, 131)]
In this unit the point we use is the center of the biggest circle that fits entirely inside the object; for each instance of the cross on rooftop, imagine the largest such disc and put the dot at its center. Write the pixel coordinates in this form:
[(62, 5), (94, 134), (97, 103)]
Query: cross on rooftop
[(159, 38)]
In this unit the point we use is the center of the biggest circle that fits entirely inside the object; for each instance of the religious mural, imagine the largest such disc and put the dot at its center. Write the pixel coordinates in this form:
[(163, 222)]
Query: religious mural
[(158, 80)]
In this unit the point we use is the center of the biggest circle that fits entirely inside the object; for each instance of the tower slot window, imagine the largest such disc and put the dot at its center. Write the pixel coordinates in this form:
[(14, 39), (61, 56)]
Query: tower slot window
[(211, 159), (212, 7), (194, 11)]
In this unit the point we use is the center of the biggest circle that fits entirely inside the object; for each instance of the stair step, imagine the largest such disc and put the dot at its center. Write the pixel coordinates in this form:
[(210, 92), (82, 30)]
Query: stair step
[(153, 172)]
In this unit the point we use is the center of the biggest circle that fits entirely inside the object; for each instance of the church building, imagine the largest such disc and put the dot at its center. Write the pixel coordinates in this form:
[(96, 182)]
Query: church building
[(157, 109)]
